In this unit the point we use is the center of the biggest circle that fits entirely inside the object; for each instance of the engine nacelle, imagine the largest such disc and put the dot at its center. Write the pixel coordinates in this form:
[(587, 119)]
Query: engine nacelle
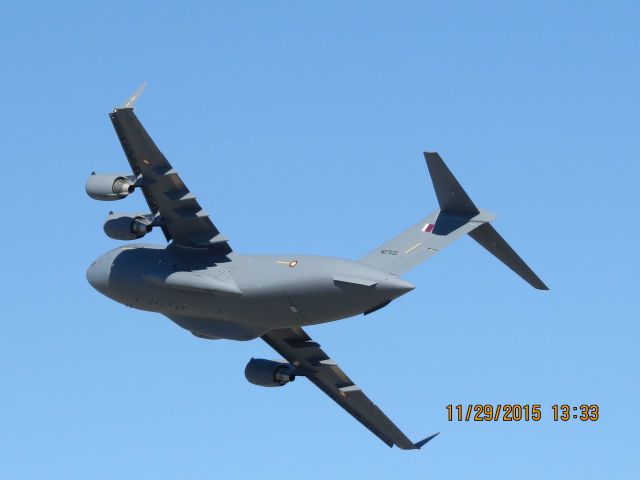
[(127, 226), (269, 373), (109, 186)]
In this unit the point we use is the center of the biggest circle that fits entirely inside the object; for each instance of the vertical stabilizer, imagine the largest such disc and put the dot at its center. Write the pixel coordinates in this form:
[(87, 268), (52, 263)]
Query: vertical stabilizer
[(458, 215)]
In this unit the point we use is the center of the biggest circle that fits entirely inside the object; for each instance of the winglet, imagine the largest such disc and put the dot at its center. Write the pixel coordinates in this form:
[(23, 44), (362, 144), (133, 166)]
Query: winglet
[(421, 443), (133, 98)]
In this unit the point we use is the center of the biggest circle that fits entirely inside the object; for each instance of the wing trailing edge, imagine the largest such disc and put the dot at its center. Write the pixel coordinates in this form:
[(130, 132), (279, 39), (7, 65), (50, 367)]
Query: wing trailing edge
[(306, 355), (184, 221)]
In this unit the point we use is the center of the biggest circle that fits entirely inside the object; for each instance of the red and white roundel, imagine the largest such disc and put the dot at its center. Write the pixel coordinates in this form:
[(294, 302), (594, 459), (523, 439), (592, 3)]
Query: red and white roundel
[(428, 227)]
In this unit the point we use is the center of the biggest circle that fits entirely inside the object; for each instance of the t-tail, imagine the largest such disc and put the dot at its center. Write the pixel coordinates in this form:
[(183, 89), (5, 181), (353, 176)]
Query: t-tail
[(458, 215)]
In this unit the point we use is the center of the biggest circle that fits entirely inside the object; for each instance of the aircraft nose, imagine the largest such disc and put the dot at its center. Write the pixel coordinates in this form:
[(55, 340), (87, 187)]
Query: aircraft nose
[(98, 274), (395, 286)]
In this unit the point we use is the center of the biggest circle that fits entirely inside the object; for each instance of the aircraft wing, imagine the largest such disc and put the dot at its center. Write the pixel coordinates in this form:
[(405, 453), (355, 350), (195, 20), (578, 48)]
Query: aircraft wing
[(307, 356), (181, 218)]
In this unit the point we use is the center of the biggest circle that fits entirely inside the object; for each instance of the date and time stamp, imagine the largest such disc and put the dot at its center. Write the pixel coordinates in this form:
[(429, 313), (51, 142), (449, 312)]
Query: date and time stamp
[(522, 412)]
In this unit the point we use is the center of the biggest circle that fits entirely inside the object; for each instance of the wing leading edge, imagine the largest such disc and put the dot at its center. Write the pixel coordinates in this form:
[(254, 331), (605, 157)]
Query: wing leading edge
[(182, 219), (307, 356)]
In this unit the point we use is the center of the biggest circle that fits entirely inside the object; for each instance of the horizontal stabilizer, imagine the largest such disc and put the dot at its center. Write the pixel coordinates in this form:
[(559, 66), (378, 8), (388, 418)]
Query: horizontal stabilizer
[(487, 236), (457, 215), (450, 194)]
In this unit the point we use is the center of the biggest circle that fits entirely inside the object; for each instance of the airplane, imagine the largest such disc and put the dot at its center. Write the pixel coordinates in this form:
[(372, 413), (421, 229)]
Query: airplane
[(199, 282)]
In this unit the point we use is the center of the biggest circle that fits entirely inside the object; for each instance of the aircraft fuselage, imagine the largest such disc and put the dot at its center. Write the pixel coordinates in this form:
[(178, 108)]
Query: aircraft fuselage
[(240, 296)]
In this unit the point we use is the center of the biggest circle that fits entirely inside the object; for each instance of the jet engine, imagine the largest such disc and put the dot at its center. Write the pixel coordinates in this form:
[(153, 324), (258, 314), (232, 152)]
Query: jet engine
[(109, 186), (269, 373), (127, 226)]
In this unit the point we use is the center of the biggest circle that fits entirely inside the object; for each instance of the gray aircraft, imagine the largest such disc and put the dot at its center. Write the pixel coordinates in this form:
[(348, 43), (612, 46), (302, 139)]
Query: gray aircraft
[(198, 281)]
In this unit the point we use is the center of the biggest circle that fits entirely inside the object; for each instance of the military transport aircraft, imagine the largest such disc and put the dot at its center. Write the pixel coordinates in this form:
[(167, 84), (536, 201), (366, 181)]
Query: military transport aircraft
[(204, 286)]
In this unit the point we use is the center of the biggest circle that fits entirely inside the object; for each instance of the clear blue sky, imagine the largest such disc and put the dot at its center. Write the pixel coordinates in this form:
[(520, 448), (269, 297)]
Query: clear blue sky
[(300, 126)]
